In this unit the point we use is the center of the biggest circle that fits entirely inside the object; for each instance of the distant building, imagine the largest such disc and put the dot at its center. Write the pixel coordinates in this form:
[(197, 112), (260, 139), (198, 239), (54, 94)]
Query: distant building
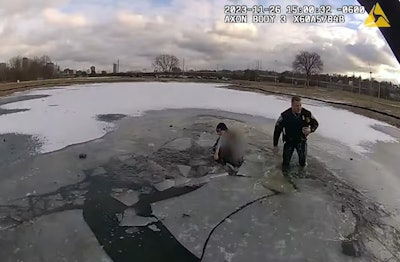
[(3, 66), (92, 70), (25, 62), (50, 66), (51, 69), (116, 67), (69, 72)]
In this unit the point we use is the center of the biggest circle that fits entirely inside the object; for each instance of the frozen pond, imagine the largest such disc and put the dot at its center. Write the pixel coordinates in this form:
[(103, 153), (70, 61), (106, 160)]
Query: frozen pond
[(150, 191), (69, 115)]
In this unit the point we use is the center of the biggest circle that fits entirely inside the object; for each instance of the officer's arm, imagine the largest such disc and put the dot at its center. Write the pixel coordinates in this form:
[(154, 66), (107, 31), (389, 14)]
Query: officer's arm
[(314, 123), (278, 130)]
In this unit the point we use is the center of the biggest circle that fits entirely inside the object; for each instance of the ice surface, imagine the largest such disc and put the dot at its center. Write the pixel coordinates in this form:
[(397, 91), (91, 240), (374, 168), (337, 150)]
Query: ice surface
[(74, 119), (300, 226), (191, 217), (62, 236), (130, 219), (184, 170), (179, 144), (128, 197), (164, 185)]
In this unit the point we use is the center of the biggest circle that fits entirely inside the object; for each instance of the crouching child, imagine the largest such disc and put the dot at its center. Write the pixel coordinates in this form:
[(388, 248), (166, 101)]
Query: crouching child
[(228, 149)]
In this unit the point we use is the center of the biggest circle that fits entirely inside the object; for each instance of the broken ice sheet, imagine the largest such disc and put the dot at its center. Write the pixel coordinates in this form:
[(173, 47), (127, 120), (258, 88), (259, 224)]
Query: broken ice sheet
[(128, 197), (130, 219), (154, 228), (184, 170), (164, 185)]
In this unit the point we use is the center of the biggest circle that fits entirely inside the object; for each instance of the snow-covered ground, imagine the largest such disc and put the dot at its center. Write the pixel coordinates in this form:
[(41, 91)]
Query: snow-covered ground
[(68, 115)]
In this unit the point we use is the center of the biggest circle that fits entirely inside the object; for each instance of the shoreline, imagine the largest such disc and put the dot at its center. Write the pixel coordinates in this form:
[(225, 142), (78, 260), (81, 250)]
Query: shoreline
[(388, 113)]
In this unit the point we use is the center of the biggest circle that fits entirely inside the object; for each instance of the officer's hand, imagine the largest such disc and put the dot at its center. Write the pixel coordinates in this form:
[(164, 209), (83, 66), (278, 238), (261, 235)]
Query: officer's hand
[(306, 130), (275, 150), (215, 157)]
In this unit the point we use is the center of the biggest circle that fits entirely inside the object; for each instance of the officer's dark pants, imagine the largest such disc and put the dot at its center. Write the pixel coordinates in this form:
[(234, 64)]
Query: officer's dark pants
[(288, 149)]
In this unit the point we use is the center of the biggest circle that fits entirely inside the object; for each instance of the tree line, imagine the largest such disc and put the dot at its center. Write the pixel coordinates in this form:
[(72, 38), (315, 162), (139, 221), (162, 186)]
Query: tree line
[(308, 63), (28, 68), (33, 68)]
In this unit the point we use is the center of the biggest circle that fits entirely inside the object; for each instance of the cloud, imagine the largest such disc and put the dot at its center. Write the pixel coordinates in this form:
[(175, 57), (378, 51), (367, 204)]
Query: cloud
[(238, 31), (23, 7), (55, 17), (131, 19), (79, 34)]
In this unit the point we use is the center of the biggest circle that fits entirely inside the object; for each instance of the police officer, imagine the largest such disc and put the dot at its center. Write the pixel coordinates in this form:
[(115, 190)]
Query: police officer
[(296, 123)]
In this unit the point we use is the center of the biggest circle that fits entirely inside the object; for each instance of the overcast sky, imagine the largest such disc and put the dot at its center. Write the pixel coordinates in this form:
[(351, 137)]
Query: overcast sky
[(81, 33)]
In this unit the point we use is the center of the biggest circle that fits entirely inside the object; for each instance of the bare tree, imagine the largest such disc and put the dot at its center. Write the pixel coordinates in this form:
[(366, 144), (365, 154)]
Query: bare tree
[(16, 68), (165, 63), (308, 63), (24, 68), (16, 62)]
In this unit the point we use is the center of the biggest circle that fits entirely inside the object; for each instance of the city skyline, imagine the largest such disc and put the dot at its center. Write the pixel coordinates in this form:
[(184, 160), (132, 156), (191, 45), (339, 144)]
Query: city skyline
[(115, 68)]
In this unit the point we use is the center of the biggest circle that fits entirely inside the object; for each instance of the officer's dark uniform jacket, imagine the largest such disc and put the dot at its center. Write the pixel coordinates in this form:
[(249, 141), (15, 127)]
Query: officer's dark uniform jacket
[(292, 125)]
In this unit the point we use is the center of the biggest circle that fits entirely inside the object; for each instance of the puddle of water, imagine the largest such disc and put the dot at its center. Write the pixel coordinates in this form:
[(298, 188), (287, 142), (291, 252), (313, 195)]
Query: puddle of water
[(122, 243)]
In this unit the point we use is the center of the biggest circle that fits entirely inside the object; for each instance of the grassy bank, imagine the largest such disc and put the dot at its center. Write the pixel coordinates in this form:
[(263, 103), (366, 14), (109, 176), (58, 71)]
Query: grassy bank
[(373, 107), (383, 105), (353, 101), (9, 88)]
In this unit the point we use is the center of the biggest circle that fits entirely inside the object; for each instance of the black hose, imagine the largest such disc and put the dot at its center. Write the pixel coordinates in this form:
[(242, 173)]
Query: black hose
[(231, 214)]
